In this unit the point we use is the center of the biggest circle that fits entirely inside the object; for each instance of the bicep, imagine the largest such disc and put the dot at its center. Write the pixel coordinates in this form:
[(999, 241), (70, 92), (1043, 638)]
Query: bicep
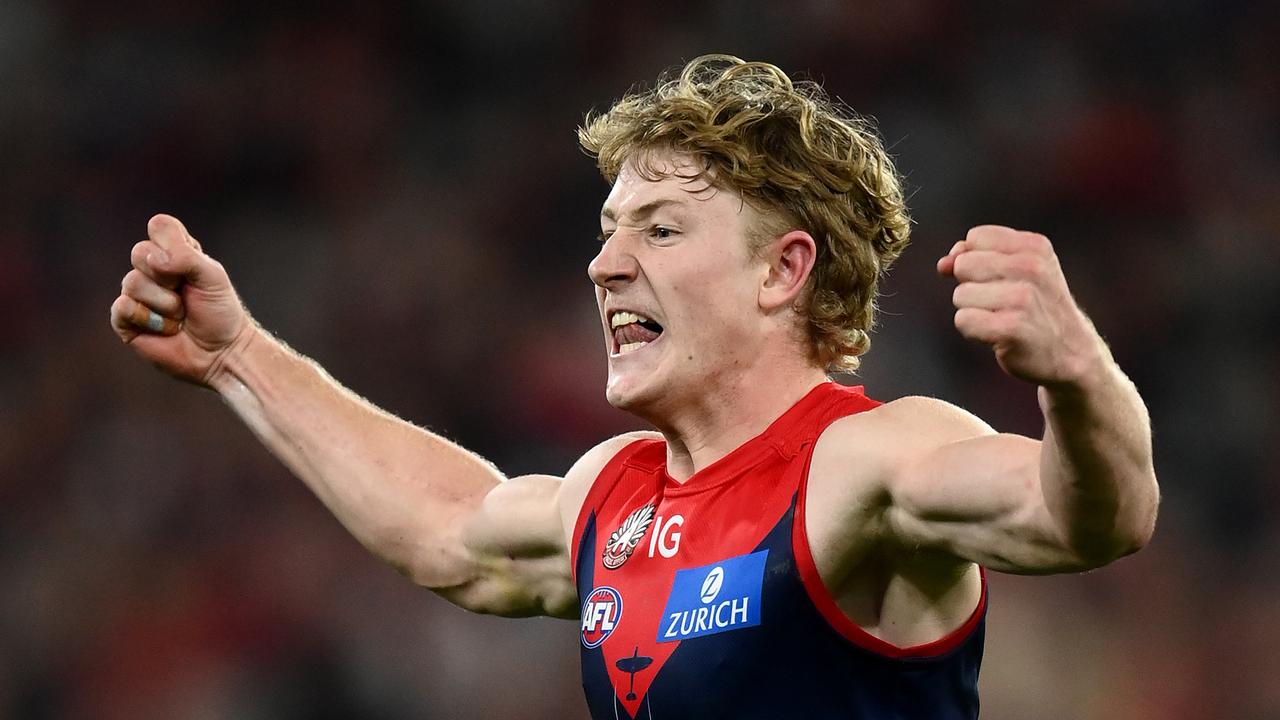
[(974, 494), (517, 552), (517, 542)]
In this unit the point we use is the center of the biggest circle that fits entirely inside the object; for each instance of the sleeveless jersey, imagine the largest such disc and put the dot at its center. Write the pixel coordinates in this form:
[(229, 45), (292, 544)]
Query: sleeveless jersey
[(701, 599)]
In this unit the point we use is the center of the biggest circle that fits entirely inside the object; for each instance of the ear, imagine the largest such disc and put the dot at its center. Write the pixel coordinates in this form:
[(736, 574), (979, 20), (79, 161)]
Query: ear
[(790, 260)]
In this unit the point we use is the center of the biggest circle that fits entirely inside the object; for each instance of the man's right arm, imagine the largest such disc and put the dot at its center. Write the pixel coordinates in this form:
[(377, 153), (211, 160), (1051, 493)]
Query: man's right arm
[(437, 512)]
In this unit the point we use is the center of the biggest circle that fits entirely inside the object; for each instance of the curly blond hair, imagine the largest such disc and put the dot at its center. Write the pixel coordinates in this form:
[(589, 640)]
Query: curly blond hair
[(799, 157)]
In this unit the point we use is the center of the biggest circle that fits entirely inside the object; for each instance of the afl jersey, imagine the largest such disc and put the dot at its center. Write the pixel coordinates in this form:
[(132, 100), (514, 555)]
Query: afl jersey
[(701, 599)]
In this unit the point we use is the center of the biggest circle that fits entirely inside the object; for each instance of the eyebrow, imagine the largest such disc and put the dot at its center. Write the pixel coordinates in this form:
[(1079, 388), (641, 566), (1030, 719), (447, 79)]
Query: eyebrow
[(643, 211)]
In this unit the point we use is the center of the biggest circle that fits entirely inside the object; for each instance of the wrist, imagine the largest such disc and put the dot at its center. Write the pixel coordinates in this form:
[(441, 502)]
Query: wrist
[(1086, 362), (225, 371), (1087, 378)]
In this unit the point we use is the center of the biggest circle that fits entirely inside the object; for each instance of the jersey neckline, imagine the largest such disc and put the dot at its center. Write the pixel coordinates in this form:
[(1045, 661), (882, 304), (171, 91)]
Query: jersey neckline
[(773, 438)]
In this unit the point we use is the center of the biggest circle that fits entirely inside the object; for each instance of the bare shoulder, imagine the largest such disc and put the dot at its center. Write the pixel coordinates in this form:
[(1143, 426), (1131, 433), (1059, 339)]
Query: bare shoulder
[(898, 430), (851, 478), (577, 482), (856, 456), (930, 415)]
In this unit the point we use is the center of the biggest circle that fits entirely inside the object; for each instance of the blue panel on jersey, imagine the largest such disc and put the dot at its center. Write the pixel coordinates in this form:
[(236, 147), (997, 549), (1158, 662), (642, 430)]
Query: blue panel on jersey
[(714, 598)]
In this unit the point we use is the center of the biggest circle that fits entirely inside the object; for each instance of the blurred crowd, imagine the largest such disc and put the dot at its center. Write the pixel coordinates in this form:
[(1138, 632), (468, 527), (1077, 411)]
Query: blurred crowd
[(396, 190)]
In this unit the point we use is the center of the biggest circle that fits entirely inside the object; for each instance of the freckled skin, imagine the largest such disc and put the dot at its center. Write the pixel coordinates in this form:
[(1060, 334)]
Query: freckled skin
[(698, 283)]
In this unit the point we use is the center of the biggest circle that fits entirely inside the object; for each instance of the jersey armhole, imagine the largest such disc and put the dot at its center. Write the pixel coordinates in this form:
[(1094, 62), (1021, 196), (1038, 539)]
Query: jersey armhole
[(612, 470), (825, 603)]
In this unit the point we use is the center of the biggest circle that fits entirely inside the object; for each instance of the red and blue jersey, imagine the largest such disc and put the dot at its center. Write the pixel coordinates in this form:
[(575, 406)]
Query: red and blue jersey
[(701, 599)]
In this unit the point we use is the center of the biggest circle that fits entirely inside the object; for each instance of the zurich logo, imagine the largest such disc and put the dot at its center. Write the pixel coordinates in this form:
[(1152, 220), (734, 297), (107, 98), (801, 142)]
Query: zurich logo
[(711, 586), (715, 598)]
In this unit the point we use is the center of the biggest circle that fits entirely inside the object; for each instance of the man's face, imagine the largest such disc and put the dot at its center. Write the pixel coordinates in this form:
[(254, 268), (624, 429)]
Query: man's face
[(677, 285)]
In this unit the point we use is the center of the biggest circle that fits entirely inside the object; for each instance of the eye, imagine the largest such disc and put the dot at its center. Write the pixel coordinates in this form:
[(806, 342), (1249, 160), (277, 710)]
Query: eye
[(604, 236), (660, 232)]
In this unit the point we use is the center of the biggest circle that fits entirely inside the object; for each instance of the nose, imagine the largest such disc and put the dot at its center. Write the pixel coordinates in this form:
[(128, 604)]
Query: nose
[(614, 265)]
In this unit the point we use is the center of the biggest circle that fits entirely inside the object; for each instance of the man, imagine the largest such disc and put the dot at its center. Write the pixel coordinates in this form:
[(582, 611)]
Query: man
[(782, 546)]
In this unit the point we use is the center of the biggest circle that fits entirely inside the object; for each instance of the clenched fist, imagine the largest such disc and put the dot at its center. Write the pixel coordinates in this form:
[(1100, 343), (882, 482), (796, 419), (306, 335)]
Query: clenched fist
[(1011, 294), (176, 306)]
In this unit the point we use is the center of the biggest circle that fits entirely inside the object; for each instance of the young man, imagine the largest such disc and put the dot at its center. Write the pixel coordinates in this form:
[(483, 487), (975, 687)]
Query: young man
[(782, 546)]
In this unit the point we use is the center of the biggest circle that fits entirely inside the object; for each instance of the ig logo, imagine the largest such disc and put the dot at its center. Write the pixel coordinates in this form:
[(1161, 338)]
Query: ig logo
[(666, 538)]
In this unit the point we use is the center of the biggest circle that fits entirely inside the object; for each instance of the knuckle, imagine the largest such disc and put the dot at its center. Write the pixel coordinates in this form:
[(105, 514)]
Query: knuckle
[(157, 223), (1020, 295), (1009, 325), (131, 282), (1039, 243), (966, 321), (1027, 265)]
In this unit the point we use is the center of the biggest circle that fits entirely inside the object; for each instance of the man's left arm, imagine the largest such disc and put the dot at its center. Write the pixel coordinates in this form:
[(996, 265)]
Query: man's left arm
[(1083, 496), (1096, 464)]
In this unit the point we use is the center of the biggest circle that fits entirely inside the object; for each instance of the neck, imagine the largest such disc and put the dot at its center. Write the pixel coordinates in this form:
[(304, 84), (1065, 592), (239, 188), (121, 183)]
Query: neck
[(728, 410)]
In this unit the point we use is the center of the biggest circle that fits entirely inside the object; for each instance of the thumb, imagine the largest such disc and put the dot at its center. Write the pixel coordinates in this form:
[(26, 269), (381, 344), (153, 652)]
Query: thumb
[(180, 253), (947, 263)]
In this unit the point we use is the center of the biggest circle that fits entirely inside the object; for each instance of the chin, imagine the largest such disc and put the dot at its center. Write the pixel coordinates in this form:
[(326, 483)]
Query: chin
[(629, 395), (621, 398)]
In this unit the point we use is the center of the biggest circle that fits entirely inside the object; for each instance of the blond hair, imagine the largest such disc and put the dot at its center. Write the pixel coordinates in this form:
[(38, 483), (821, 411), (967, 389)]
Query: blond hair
[(802, 159)]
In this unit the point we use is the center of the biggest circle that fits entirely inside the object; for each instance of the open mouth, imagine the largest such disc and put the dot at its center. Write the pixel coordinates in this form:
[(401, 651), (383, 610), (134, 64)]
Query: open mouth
[(632, 331)]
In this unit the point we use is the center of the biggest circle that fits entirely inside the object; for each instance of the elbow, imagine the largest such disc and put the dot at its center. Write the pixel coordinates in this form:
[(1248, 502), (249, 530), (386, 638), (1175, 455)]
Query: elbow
[(1100, 551), (467, 590), (474, 596), (1141, 518), (439, 572), (1128, 531), (1123, 544), (485, 589), (427, 561), (1145, 530), (491, 595)]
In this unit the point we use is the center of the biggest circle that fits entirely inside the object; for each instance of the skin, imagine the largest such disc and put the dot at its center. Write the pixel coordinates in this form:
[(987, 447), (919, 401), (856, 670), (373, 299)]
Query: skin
[(905, 500), (665, 256)]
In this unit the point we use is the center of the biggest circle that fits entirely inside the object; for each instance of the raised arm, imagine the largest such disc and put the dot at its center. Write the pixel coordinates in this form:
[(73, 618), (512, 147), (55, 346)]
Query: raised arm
[(1084, 495), (437, 512), (413, 498)]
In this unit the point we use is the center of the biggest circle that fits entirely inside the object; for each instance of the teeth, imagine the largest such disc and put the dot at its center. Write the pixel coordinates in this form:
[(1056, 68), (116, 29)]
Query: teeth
[(630, 347), (623, 317)]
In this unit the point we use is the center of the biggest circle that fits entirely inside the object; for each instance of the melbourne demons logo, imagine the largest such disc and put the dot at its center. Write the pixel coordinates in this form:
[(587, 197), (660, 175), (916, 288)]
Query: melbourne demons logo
[(624, 540), (600, 615)]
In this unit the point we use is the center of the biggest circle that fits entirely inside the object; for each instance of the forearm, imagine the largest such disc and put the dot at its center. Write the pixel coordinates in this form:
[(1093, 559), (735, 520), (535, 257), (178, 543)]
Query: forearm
[(1096, 462), (400, 490)]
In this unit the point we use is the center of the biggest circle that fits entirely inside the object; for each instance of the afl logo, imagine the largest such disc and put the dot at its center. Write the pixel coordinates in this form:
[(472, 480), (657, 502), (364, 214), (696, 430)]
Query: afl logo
[(711, 586), (600, 615)]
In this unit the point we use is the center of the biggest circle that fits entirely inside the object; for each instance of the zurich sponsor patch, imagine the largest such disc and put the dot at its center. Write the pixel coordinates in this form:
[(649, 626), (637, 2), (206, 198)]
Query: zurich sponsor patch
[(714, 598), (600, 615)]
